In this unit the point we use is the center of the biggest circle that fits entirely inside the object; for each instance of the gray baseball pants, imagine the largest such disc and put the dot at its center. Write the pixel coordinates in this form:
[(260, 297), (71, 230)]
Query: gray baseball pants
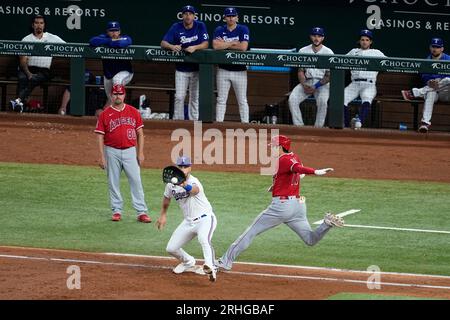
[(290, 212), (116, 160)]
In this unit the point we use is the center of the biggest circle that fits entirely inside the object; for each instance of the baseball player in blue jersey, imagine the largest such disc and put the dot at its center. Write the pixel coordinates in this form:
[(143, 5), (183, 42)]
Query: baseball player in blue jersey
[(232, 36), (188, 35), (115, 71), (363, 82), (437, 86)]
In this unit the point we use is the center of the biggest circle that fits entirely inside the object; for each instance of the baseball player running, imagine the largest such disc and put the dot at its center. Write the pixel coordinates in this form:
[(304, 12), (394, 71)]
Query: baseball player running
[(287, 206), (115, 71), (119, 130), (232, 36), (363, 82), (437, 86), (199, 220), (189, 35), (312, 82)]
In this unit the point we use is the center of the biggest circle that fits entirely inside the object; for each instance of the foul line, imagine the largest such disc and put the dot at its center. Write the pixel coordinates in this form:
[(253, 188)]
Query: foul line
[(396, 229), (352, 211), (268, 275)]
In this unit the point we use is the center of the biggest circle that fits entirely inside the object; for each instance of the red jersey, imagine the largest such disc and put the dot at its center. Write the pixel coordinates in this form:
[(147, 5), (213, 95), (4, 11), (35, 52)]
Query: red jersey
[(119, 127), (286, 182)]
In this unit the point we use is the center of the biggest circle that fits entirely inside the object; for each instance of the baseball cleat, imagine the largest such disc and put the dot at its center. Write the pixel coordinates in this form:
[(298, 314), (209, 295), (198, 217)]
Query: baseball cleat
[(424, 127), (116, 217), (408, 95), (16, 105), (219, 264), (183, 267), (143, 217), (211, 272), (333, 220)]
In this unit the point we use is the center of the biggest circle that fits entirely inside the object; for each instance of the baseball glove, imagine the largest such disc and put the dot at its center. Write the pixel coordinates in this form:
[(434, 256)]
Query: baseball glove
[(173, 172)]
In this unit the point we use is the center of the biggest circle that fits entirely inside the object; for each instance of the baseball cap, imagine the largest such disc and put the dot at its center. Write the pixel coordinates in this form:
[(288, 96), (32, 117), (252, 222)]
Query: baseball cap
[(113, 26), (230, 12), (118, 88), (184, 161), (366, 33), (317, 31), (188, 9), (281, 140), (437, 43)]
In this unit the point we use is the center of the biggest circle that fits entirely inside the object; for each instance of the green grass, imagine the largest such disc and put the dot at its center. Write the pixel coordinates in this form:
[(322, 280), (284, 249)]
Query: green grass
[(67, 207), (361, 296)]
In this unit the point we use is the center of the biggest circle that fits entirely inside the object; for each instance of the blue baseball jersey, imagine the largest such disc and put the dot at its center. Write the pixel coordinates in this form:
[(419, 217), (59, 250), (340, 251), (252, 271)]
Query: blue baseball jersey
[(179, 35), (240, 33), (427, 76), (111, 67)]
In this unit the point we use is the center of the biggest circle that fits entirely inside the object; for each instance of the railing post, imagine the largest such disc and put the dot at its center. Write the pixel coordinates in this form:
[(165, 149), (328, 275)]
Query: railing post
[(207, 100), (77, 88), (336, 109)]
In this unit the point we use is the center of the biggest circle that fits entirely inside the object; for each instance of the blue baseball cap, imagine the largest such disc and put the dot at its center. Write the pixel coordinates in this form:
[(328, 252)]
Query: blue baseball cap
[(230, 12), (184, 161), (113, 26), (366, 33), (437, 43), (317, 31), (188, 9)]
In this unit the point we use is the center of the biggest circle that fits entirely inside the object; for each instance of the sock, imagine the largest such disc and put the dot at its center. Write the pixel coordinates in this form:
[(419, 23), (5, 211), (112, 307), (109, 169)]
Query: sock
[(364, 111), (347, 116)]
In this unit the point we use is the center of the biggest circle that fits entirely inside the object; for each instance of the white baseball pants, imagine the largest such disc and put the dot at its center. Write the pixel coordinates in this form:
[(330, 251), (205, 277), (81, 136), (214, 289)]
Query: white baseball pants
[(123, 77), (364, 89), (186, 231), (226, 79), (298, 95), (431, 96), (183, 82)]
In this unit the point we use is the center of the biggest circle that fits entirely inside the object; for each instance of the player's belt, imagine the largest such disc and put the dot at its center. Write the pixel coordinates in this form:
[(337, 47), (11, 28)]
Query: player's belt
[(198, 218), (363, 80), (286, 197)]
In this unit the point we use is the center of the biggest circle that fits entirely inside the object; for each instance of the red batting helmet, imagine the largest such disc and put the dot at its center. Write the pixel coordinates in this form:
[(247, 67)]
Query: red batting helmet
[(281, 140), (118, 88)]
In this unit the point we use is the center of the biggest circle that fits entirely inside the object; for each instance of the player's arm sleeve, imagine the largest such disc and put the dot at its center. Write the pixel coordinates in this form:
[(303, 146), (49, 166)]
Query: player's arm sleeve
[(298, 168), (245, 34), (204, 33), (100, 40), (100, 127), (217, 32), (139, 122)]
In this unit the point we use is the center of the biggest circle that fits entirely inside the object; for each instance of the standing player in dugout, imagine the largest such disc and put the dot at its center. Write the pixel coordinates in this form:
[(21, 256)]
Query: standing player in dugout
[(287, 206)]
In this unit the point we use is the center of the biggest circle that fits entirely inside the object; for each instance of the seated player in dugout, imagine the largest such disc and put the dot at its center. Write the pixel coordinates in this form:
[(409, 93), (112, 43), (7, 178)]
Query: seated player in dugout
[(363, 82), (437, 86)]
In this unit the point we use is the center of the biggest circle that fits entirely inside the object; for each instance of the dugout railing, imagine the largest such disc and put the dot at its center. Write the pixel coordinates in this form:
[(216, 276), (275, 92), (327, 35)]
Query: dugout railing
[(207, 59)]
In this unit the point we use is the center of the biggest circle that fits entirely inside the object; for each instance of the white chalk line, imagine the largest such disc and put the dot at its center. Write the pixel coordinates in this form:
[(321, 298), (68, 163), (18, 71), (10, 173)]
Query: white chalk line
[(352, 211), (270, 265), (294, 277), (396, 229)]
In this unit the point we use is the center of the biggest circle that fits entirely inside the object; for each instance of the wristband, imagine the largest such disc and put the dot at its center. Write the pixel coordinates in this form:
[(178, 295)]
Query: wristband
[(318, 85), (188, 187)]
